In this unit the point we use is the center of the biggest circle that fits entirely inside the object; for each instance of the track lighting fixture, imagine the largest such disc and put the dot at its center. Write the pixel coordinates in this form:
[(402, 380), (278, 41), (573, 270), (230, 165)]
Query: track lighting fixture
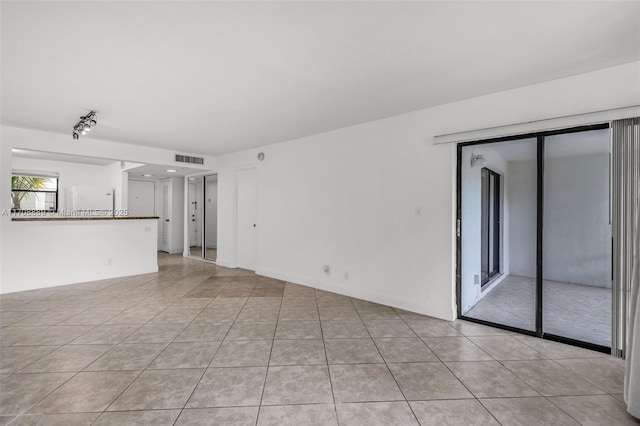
[(84, 125)]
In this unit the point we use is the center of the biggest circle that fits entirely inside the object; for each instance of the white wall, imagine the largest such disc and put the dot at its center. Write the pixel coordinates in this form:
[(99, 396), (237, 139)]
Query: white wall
[(71, 174), (471, 220), (522, 194), (50, 253), (348, 198), (577, 232)]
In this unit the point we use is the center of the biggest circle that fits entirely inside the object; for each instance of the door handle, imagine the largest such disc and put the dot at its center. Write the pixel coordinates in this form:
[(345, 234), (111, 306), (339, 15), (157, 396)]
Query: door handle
[(166, 220)]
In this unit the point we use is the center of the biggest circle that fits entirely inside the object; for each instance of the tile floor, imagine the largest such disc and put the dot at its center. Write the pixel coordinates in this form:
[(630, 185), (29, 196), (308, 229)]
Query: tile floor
[(197, 344), (577, 311)]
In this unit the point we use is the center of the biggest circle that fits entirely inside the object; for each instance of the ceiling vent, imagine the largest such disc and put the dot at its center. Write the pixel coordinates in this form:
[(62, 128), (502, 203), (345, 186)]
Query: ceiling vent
[(188, 159)]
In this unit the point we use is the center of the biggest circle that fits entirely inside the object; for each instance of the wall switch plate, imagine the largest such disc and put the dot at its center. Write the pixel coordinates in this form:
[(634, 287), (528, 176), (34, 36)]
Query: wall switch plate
[(326, 269), (476, 279)]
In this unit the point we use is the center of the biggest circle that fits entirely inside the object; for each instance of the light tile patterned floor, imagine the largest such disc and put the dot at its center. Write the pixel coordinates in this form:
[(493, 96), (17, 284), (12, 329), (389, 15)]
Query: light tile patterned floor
[(197, 344), (580, 312)]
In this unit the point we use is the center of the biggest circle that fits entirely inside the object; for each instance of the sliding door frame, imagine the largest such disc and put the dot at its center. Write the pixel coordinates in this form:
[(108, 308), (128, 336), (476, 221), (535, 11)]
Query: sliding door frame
[(493, 226), (540, 140)]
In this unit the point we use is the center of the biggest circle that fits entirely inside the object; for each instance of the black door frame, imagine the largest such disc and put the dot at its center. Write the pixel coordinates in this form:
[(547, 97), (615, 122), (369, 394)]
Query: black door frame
[(493, 270), (540, 141)]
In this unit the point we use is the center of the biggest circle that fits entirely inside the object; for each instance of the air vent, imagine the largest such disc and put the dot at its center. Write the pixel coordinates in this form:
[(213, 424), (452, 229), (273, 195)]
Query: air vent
[(188, 159)]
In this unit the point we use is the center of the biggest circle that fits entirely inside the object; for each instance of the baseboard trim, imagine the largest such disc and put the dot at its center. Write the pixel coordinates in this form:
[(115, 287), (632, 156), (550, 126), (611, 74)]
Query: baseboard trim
[(226, 264), (359, 293)]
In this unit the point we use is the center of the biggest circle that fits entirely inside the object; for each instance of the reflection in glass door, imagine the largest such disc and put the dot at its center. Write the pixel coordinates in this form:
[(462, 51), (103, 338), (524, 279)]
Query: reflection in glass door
[(498, 233), (577, 246)]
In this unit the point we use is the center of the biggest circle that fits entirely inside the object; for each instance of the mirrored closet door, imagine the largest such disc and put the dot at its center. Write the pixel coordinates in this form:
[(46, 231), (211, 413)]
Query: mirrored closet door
[(203, 216)]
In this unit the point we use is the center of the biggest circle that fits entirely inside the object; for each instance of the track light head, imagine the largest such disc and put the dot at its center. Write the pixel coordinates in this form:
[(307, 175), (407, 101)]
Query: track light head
[(84, 125)]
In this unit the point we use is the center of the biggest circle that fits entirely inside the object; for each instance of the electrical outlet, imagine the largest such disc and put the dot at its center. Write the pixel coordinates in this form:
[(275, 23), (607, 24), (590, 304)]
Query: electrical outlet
[(346, 275), (326, 269), (418, 210), (110, 261), (476, 279)]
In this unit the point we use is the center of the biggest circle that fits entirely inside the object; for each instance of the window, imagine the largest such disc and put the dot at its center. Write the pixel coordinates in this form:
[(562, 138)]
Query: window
[(34, 193), (490, 225)]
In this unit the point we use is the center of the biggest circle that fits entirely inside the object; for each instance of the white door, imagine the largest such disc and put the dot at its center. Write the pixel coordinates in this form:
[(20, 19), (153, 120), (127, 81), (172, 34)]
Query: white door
[(247, 219), (142, 198), (165, 220)]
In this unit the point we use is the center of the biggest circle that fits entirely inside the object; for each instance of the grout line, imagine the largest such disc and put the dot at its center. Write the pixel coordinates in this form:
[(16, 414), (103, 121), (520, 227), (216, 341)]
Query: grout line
[(326, 357), (156, 357), (181, 276), (210, 361), (451, 371), (264, 384), (406, 401)]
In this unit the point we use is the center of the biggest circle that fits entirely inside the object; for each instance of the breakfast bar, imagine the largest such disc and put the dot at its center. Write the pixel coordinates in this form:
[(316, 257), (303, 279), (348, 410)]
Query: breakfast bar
[(77, 248)]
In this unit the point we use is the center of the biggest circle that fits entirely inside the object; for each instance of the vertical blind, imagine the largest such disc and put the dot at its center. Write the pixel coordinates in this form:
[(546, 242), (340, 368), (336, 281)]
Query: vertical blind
[(625, 190)]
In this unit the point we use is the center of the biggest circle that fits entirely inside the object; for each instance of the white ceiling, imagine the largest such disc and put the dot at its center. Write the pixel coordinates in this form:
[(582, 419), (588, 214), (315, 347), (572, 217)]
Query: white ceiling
[(217, 77), (159, 172)]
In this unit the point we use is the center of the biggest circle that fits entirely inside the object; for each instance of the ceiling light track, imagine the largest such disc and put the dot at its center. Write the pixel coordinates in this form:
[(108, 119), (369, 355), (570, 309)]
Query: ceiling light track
[(84, 125)]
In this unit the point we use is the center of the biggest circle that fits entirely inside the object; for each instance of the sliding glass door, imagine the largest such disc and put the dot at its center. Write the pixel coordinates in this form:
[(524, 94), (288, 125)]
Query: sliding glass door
[(534, 234), (577, 245), (498, 233)]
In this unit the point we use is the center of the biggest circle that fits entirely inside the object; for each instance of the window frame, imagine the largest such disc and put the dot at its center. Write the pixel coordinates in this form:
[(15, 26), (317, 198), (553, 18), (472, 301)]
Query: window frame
[(43, 191)]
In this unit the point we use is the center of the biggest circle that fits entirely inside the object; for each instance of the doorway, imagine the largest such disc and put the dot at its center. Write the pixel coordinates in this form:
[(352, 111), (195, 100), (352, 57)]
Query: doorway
[(141, 197), (247, 219), (534, 240)]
